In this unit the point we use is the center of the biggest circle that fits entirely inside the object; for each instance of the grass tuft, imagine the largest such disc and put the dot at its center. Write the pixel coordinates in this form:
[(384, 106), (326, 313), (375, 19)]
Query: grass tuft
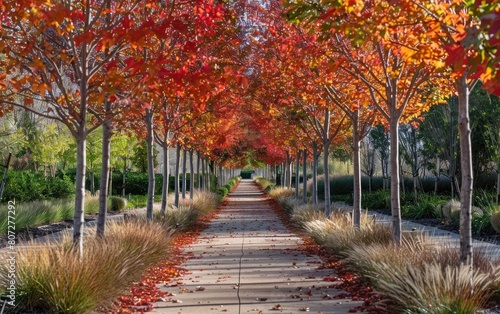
[(53, 279)]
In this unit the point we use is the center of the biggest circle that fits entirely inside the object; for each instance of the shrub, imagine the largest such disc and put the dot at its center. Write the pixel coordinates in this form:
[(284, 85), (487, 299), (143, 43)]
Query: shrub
[(117, 203), (222, 191), (450, 209), (495, 221), (246, 174), (26, 186), (427, 206), (375, 200)]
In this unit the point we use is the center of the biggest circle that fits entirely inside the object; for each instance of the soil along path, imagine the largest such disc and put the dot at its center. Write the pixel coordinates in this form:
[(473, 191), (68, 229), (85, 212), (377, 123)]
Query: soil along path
[(247, 261)]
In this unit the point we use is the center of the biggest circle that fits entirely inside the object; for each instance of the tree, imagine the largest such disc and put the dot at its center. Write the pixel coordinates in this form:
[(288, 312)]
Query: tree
[(54, 52)]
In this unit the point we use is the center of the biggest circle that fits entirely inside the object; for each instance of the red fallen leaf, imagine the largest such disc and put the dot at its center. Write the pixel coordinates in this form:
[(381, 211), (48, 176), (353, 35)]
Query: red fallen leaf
[(352, 310)]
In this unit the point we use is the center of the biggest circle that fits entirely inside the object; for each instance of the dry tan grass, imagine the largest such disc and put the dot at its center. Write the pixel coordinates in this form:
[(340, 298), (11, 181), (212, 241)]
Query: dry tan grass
[(281, 192), (432, 289), (53, 279), (304, 213)]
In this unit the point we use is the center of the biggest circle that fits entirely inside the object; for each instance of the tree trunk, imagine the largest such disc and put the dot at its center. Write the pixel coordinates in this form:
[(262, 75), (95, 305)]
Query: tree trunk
[(184, 173), (191, 175), (4, 178), (357, 171), (297, 169), (103, 195), (438, 172), (203, 177), (92, 183), (304, 177), (315, 174), (326, 155), (177, 170), (151, 173), (110, 185), (198, 177), (79, 215), (124, 176), (466, 170), (166, 175), (395, 185)]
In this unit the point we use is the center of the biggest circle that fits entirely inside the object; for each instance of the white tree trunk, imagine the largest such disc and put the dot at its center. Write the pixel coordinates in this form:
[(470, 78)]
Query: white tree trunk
[(357, 171), (79, 215), (326, 157), (105, 175), (304, 177), (315, 174), (151, 172), (177, 169), (395, 184), (191, 175), (466, 167), (198, 176), (166, 175), (184, 170), (297, 169)]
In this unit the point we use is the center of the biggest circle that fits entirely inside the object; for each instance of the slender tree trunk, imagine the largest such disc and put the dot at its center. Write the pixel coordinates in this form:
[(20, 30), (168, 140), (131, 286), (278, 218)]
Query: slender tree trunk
[(177, 170), (436, 182), (198, 177), (184, 170), (297, 175), (395, 184), (105, 175), (4, 178), (151, 172), (326, 157), (467, 174), (92, 183), (79, 215), (315, 174), (110, 185), (304, 177), (166, 175), (191, 175), (357, 171), (203, 176), (124, 176), (498, 184)]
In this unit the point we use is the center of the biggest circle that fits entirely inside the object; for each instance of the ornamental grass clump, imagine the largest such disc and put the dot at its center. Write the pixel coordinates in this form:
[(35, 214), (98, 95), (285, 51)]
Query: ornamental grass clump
[(305, 213), (433, 289), (37, 213), (55, 279), (204, 202)]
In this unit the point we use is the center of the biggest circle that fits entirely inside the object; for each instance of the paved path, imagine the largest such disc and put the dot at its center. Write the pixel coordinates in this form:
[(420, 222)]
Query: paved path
[(246, 261)]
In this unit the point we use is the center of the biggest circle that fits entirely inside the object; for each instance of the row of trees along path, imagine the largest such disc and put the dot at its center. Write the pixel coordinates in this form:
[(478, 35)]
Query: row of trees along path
[(247, 261), (248, 79)]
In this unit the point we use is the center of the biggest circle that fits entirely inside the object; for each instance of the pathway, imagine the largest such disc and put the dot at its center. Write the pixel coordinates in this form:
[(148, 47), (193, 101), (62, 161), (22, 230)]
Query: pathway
[(247, 261)]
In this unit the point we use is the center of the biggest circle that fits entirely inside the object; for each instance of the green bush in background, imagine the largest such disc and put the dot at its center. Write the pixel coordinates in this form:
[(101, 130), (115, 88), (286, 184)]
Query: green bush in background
[(26, 186)]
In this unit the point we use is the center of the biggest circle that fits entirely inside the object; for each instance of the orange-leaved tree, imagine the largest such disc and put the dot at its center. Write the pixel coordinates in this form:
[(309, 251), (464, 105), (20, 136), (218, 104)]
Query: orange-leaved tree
[(53, 52), (378, 49)]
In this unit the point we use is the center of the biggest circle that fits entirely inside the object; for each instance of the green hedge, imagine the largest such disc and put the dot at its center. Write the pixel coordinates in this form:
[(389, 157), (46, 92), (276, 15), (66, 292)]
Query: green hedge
[(25, 186), (136, 183)]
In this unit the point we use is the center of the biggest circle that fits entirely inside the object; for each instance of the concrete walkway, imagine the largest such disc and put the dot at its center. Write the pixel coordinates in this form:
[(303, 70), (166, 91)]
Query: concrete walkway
[(246, 261)]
